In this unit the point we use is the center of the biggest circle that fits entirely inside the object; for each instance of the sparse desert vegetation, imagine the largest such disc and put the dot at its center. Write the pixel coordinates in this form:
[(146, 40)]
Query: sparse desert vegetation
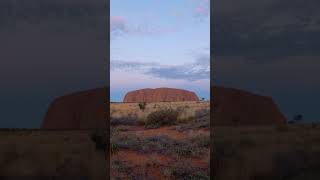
[(165, 140), (279, 152), (54, 154)]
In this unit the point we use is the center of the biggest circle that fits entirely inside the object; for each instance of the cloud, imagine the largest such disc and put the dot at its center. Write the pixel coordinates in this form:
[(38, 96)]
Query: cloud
[(267, 31), (201, 10), (198, 70), (129, 65), (270, 47), (13, 12), (120, 26)]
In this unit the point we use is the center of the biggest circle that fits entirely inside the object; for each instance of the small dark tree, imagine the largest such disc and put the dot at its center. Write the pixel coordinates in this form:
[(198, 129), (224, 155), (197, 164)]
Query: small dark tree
[(142, 105), (298, 117), (202, 99)]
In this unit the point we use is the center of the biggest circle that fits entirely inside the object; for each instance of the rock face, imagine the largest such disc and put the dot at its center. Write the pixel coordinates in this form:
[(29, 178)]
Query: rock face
[(237, 107), (160, 95), (82, 110), (89, 109)]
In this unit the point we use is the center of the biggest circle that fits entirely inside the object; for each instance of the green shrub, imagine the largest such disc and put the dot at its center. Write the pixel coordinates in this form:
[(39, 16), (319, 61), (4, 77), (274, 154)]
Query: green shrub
[(161, 118), (114, 148)]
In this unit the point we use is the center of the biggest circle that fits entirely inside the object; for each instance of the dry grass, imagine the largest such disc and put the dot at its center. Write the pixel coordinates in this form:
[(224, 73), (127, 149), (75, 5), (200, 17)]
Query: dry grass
[(131, 112), (190, 146), (270, 152), (50, 153)]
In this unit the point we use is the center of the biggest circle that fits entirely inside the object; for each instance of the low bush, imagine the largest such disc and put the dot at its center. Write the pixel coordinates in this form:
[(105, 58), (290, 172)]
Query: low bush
[(124, 121), (201, 113), (161, 118), (142, 105)]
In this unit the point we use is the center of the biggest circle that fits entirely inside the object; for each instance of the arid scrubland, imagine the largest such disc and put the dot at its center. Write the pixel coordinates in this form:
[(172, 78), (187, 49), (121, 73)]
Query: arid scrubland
[(50, 154), (165, 140), (138, 111), (279, 152)]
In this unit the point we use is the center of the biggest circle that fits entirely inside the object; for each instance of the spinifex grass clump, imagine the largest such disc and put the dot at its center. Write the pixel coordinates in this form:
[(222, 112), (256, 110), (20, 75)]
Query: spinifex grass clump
[(162, 117)]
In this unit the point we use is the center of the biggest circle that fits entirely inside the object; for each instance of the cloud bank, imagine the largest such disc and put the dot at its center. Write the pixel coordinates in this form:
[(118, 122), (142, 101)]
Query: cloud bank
[(198, 70)]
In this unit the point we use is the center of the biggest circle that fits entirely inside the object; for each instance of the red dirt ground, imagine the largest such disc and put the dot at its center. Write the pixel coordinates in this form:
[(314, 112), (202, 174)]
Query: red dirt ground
[(144, 161)]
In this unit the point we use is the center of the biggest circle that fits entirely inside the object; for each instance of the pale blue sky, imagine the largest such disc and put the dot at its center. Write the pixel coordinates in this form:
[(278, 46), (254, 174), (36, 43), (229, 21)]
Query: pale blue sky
[(156, 43)]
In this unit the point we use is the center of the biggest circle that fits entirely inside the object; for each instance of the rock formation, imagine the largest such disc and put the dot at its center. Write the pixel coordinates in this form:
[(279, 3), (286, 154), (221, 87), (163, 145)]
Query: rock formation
[(160, 95), (89, 109), (82, 110), (237, 107)]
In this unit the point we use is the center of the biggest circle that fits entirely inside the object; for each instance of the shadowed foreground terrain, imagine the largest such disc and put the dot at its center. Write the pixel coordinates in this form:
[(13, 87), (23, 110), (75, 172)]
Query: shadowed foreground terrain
[(165, 140), (279, 152), (40, 154)]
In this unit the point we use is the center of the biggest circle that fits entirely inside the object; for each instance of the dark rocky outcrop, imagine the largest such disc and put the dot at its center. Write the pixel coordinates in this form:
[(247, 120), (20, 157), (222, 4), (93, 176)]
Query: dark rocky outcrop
[(160, 95), (81, 110), (238, 107)]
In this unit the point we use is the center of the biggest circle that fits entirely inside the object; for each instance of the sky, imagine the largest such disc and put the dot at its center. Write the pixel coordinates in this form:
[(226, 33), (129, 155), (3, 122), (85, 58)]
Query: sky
[(270, 47), (157, 43), (49, 48), (53, 48)]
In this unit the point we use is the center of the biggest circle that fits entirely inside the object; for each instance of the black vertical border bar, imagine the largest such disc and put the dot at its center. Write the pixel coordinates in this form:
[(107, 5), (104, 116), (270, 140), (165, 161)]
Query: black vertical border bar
[(212, 45), (108, 88)]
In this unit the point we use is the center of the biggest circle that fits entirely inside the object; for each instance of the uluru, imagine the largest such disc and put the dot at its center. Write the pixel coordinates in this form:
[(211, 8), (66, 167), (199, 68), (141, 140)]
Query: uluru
[(160, 95), (88, 109), (237, 107), (80, 110)]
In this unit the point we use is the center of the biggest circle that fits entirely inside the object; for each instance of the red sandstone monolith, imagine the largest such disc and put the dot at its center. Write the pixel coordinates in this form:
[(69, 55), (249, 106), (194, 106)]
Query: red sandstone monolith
[(237, 107), (160, 95), (81, 110), (88, 109)]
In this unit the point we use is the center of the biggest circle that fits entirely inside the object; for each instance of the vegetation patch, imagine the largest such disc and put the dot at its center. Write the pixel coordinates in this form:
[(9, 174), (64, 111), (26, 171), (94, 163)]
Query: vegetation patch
[(183, 169), (161, 117), (124, 121), (99, 137), (163, 144), (195, 123), (142, 105)]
